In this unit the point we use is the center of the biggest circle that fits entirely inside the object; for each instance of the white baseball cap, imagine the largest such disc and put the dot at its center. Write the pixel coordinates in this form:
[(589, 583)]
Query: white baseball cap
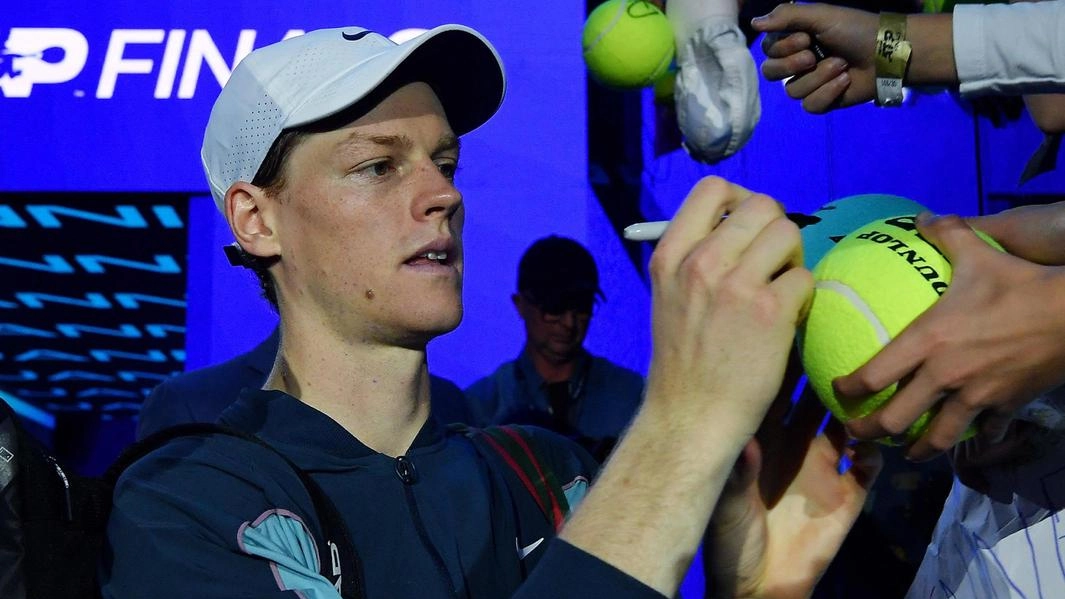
[(315, 75)]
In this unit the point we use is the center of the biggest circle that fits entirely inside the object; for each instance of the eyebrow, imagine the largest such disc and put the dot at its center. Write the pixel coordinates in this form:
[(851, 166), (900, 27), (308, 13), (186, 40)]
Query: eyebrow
[(447, 141)]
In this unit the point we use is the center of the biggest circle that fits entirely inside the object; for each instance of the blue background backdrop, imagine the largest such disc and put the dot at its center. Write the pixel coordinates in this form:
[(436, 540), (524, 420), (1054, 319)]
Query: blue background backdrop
[(527, 173)]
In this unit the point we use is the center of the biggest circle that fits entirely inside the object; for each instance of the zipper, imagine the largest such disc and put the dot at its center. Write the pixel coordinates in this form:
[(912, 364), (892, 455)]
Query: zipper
[(66, 487), (409, 476)]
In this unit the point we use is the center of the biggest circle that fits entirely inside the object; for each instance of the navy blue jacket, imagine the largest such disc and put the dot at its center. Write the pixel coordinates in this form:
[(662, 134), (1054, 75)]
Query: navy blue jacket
[(607, 395), (213, 517), (201, 395)]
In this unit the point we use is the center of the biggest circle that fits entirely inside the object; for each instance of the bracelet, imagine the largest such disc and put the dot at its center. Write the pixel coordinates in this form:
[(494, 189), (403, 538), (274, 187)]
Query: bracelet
[(892, 58)]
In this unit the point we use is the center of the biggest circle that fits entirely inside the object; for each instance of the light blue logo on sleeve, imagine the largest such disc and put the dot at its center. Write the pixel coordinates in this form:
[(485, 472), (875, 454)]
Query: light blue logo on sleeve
[(282, 538), (575, 491)]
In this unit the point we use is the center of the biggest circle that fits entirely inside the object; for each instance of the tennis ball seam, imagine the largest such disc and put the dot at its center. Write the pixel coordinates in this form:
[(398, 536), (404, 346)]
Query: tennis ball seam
[(622, 7), (663, 66), (859, 304)]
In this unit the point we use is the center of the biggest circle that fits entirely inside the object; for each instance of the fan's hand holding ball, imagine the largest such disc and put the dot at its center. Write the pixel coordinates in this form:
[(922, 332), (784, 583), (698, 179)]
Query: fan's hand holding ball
[(868, 288), (627, 44)]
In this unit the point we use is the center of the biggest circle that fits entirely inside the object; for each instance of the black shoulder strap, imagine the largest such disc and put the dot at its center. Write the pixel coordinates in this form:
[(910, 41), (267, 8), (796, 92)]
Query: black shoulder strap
[(339, 561), (517, 450), (12, 584), (59, 524)]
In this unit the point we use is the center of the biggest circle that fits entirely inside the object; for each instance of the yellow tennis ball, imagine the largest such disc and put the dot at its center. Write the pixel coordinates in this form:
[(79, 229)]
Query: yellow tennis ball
[(627, 44), (664, 86), (867, 289)]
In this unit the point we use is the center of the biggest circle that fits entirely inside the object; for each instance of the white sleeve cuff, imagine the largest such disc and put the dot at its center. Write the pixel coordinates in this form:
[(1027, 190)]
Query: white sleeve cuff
[(1010, 49), (970, 47)]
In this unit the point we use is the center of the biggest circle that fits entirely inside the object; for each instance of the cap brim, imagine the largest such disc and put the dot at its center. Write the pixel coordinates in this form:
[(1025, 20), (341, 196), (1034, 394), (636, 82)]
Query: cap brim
[(460, 65)]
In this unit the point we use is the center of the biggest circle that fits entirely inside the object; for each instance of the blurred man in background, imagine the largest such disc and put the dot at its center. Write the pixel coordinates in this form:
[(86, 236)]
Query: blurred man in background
[(555, 382)]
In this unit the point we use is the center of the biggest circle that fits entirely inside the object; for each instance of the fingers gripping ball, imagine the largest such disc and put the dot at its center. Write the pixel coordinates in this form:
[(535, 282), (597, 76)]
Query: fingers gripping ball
[(627, 44), (868, 288)]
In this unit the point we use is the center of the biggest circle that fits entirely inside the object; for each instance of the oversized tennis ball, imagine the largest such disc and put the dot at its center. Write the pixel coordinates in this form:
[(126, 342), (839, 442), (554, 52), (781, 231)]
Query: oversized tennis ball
[(627, 44), (833, 221), (867, 289)]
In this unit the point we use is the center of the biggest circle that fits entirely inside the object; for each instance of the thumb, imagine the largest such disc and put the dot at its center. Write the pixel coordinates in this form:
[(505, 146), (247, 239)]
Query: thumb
[(866, 462), (747, 469), (951, 234), (787, 17)]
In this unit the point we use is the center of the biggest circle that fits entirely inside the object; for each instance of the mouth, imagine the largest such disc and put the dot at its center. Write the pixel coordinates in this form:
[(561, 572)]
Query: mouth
[(430, 257), (438, 253)]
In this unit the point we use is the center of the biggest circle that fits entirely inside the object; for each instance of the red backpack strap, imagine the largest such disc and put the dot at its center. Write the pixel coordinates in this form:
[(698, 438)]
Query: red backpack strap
[(517, 449)]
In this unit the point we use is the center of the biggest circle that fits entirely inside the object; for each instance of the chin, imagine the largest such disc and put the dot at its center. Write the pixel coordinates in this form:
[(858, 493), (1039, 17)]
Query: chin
[(449, 326), (429, 318), (418, 339), (565, 347), (441, 324)]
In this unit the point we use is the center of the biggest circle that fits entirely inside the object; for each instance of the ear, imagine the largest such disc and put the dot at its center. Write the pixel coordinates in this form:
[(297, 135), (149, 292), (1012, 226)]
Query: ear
[(519, 303), (251, 217)]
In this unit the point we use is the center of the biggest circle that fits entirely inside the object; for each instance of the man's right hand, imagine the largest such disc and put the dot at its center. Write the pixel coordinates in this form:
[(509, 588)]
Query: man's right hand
[(727, 296)]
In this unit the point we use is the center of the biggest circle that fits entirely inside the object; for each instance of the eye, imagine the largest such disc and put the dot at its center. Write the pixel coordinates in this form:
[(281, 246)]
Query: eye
[(380, 168), (448, 168)]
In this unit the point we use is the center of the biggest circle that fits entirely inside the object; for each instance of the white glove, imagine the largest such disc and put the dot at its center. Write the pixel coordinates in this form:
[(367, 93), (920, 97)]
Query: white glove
[(716, 90)]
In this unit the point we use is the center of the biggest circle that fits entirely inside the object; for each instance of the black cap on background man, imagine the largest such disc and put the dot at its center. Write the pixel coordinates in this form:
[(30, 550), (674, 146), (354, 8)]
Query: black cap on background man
[(559, 274)]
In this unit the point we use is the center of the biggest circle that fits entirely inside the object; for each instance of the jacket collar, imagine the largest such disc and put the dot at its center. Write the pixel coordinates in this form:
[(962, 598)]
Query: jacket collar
[(310, 438)]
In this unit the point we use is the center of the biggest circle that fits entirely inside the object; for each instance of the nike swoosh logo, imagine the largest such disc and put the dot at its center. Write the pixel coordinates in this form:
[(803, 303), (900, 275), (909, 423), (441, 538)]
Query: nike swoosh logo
[(524, 552), (354, 37)]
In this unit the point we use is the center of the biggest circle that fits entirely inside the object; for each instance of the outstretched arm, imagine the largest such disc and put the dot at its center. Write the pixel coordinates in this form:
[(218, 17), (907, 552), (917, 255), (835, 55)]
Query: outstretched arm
[(995, 48), (727, 295), (1046, 110), (848, 36), (984, 58), (1035, 232)]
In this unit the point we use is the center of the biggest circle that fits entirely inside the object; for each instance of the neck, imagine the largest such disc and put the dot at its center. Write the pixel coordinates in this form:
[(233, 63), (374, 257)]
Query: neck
[(378, 393), (552, 369)]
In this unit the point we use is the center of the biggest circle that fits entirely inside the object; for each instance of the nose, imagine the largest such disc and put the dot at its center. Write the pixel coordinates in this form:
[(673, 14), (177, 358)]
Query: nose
[(568, 319), (437, 195)]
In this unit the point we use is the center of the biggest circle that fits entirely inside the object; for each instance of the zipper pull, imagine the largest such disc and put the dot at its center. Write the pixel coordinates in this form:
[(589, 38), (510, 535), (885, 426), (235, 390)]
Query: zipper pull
[(405, 470)]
